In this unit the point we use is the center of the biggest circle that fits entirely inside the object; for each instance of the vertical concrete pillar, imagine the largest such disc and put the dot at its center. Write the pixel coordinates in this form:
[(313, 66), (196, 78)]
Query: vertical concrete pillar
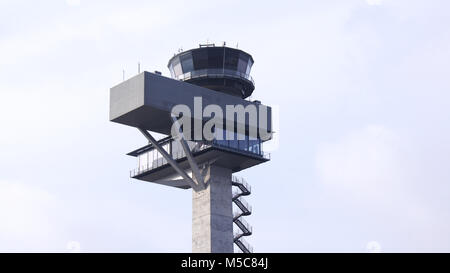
[(212, 213)]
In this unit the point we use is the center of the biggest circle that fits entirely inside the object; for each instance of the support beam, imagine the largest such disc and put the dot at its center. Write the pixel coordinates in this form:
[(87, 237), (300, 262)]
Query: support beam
[(194, 167), (197, 146), (169, 159)]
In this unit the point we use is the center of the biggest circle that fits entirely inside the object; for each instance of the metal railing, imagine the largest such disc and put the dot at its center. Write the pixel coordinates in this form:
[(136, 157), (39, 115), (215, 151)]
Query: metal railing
[(244, 203), (238, 193), (244, 209), (160, 160), (241, 181), (246, 245), (247, 226), (215, 73)]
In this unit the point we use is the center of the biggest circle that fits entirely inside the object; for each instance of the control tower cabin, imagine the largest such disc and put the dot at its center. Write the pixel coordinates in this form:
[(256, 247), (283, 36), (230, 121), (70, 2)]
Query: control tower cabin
[(215, 75)]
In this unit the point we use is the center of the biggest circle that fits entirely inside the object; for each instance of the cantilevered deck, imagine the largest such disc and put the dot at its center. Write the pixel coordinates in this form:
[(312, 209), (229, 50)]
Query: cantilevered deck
[(153, 167)]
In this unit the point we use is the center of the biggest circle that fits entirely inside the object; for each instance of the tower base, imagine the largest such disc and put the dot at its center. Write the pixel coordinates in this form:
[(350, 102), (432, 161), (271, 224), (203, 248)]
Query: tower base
[(212, 213)]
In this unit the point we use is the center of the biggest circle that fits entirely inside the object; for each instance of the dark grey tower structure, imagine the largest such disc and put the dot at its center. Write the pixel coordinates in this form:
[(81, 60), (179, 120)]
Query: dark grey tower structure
[(221, 69), (201, 77)]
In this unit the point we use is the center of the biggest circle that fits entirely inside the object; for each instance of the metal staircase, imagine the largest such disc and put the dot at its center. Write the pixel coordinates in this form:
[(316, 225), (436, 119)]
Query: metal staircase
[(242, 188)]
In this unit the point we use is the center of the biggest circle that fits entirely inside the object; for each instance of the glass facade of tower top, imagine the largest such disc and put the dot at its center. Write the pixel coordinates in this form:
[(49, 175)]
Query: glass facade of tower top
[(212, 60)]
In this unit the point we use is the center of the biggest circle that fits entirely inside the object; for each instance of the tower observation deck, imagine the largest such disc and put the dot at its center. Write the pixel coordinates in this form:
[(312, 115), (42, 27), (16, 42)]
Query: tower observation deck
[(222, 69), (221, 77)]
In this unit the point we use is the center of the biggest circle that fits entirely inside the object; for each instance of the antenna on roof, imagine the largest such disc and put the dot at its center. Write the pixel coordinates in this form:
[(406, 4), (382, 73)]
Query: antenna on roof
[(237, 45), (123, 74), (139, 68)]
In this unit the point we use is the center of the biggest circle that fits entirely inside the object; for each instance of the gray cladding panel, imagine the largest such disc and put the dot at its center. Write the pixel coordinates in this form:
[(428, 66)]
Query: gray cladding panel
[(147, 99), (126, 96)]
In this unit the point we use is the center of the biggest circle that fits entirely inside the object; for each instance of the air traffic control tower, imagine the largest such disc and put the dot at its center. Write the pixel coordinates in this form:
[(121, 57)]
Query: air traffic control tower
[(207, 83)]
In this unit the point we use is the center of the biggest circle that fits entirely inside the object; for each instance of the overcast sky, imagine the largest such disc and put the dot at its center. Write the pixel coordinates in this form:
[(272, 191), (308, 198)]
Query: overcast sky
[(362, 88)]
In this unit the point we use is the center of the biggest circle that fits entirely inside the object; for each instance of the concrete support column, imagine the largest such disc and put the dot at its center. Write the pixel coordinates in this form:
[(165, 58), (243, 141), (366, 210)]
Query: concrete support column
[(212, 213)]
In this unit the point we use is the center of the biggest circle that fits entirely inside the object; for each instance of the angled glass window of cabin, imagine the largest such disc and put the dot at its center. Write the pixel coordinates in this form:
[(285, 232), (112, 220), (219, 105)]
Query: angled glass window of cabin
[(186, 62), (242, 63), (231, 59), (200, 59), (177, 67), (215, 58), (249, 67), (172, 73)]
